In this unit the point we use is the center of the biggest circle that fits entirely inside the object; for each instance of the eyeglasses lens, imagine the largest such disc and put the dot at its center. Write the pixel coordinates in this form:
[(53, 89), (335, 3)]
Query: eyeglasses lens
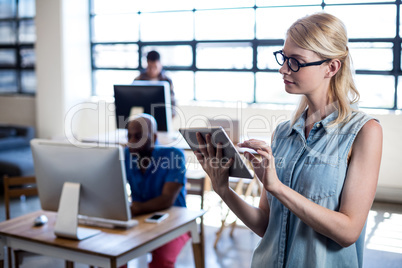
[(293, 64), (280, 58)]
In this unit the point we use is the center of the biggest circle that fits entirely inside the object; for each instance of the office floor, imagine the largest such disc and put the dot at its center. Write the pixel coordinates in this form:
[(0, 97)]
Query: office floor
[(383, 238)]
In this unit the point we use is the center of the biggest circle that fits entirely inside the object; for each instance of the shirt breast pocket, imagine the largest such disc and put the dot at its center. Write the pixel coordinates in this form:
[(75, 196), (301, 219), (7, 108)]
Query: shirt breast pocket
[(319, 177)]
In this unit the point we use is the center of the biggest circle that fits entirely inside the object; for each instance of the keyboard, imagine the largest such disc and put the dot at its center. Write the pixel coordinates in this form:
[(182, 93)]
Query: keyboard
[(106, 223)]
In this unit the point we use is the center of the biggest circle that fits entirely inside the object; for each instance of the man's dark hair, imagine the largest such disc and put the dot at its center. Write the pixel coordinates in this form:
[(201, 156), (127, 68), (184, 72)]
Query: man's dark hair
[(153, 56)]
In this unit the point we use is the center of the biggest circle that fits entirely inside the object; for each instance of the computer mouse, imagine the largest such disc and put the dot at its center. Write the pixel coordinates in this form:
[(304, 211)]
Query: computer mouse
[(40, 220)]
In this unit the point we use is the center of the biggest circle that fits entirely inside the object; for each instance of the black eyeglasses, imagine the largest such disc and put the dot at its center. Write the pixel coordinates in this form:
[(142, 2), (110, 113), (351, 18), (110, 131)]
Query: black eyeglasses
[(293, 63)]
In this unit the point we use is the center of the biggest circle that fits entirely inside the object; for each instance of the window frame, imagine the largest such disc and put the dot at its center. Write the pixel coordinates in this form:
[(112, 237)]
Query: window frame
[(255, 43), (17, 46)]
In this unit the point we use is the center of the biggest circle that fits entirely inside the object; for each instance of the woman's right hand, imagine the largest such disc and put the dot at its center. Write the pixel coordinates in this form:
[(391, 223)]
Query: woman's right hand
[(214, 164), (264, 168)]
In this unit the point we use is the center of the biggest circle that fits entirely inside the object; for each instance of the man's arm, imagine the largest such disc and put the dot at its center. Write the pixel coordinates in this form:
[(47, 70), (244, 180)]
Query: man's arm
[(169, 194)]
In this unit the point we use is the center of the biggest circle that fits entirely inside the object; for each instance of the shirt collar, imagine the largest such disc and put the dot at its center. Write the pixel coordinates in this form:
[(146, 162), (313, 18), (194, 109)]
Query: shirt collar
[(300, 123)]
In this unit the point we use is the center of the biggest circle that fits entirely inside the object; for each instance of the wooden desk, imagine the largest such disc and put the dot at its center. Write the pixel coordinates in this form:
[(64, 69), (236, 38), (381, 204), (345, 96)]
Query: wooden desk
[(109, 249)]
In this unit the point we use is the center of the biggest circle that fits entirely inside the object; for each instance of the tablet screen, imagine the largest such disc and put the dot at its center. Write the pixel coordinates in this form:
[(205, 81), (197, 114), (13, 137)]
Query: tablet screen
[(218, 135)]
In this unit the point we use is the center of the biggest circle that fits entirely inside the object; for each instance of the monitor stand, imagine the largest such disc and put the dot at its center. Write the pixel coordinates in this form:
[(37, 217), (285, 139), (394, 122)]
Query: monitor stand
[(67, 216)]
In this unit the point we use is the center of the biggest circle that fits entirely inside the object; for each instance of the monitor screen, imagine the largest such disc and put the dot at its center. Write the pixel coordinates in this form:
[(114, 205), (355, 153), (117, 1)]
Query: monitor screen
[(151, 97), (99, 171)]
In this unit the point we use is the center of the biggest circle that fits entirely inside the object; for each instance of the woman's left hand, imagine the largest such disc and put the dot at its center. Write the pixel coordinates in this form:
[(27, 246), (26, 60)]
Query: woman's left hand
[(214, 164), (264, 168)]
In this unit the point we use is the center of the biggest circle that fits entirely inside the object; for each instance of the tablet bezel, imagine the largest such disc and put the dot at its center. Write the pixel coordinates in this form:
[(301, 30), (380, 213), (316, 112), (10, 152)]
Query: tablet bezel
[(218, 135)]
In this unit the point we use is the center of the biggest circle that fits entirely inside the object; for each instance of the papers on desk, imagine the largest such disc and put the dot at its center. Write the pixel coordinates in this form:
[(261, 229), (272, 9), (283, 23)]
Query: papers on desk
[(113, 137)]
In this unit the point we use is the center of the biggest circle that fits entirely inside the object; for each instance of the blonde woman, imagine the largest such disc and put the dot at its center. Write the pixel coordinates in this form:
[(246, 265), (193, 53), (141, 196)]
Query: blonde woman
[(320, 172)]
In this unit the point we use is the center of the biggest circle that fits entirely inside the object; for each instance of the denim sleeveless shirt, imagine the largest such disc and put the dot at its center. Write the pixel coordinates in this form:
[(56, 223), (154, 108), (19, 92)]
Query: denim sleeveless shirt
[(316, 168)]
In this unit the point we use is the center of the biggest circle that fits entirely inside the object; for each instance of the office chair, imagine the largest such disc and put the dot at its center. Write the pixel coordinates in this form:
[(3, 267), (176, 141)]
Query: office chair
[(196, 186), (16, 187), (245, 188)]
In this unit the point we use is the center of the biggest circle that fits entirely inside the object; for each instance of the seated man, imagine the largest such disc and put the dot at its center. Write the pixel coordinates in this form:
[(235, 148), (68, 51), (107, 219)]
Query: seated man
[(157, 177)]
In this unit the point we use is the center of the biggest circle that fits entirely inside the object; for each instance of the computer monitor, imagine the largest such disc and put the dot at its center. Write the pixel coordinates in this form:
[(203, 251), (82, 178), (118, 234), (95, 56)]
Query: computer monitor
[(151, 97), (80, 179)]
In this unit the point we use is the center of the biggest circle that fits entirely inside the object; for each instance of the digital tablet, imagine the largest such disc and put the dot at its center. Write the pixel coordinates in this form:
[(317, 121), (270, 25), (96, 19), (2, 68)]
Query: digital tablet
[(218, 135)]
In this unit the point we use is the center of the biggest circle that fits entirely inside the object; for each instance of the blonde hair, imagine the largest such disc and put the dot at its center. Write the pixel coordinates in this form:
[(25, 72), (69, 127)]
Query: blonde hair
[(326, 35)]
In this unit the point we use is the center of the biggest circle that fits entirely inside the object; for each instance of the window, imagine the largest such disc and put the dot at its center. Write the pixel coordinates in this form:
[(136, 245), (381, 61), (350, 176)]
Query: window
[(17, 54), (222, 50), (230, 55)]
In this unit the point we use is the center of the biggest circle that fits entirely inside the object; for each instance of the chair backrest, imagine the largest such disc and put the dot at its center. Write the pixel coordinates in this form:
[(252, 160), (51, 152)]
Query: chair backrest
[(196, 184), (16, 187), (231, 127)]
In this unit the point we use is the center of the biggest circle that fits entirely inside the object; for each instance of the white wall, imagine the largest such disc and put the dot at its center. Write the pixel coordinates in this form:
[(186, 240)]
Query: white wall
[(94, 118), (63, 62), (390, 180)]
